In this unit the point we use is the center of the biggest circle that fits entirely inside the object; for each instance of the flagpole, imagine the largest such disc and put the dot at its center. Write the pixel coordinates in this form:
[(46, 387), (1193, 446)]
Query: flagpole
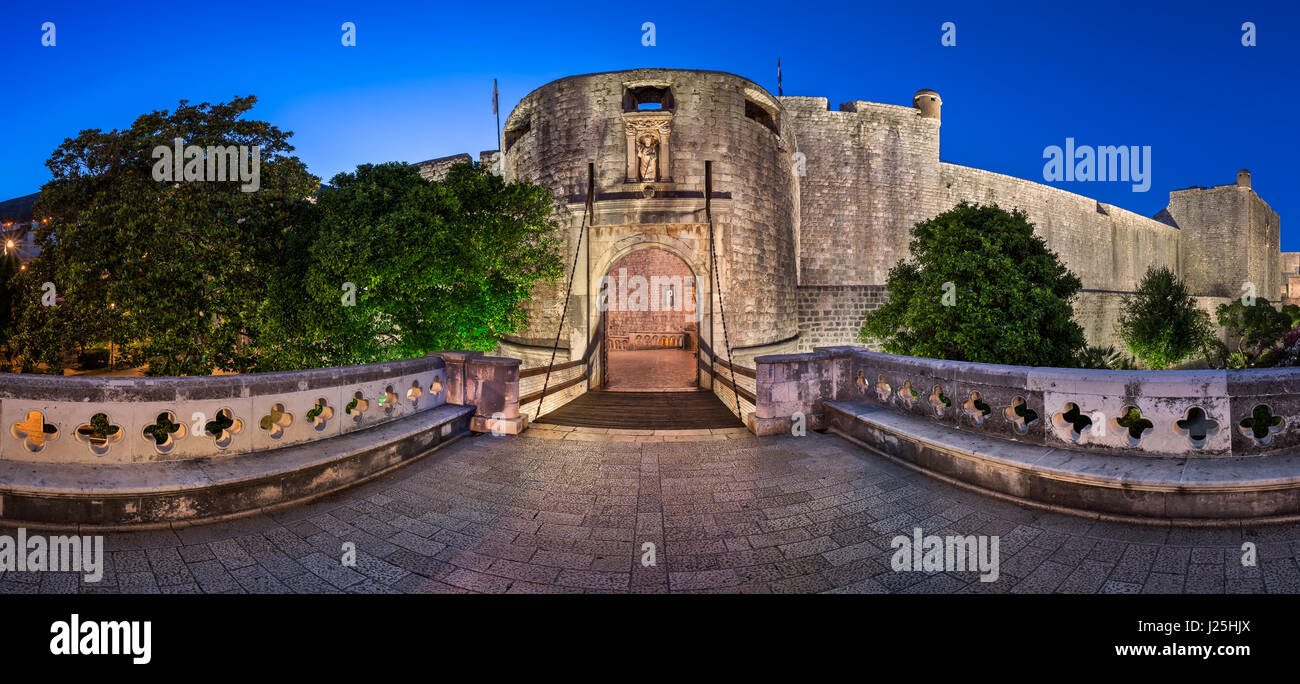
[(496, 109)]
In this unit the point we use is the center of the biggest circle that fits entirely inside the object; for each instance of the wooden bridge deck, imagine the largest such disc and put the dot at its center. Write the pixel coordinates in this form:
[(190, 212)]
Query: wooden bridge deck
[(688, 410)]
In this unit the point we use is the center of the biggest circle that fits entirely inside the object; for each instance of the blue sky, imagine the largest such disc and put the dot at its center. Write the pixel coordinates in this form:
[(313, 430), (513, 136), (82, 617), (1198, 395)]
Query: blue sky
[(418, 84)]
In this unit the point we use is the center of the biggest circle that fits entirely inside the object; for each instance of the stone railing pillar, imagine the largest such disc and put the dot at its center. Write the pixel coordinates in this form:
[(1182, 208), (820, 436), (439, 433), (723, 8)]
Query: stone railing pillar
[(840, 371), (491, 385), (456, 361), (789, 384)]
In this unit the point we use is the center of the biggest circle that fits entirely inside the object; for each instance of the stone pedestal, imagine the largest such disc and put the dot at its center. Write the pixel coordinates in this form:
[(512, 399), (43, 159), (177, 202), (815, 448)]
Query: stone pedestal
[(491, 385)]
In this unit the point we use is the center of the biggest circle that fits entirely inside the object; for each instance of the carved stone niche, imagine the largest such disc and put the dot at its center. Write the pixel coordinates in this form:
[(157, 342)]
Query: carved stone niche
[(648, 156)]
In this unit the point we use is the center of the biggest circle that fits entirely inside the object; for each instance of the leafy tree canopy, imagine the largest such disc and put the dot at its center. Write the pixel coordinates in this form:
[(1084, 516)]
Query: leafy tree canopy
[(1161, 324), (1257, 328), (1008, 295), (174, 270), (9, 269), (432, 265)]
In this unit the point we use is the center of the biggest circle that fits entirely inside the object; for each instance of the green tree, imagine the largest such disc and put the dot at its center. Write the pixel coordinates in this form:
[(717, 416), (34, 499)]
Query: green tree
[(1161, 324), (1257, 328), (176, 271), (979, 286), (9, 269), (431, 265), (1292, 312)]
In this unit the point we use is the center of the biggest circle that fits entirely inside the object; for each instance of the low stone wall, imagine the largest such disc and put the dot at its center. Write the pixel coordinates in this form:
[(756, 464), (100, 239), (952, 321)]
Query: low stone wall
[(1179, 414), (86, 451), (1195, 447), (52, 419)]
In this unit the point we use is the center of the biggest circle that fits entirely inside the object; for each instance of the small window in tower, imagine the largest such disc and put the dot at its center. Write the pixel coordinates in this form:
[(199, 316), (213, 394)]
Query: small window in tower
[(513, 135), (758, 113), (648, 98)]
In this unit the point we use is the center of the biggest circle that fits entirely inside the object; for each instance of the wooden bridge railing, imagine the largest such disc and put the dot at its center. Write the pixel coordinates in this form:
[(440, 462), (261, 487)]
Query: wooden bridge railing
[(719, 370), (561, 379)]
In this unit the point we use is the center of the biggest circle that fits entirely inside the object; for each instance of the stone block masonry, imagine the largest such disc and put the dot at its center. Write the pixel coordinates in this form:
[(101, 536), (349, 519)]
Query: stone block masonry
[(813, 206), (832, 314)]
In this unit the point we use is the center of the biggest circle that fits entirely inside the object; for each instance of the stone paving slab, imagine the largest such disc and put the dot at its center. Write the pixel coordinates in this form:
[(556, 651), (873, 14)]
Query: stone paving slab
[(527, 514)]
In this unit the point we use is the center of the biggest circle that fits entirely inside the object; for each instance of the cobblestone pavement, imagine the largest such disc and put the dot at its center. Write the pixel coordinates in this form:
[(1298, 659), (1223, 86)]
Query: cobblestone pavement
[(808, 514)]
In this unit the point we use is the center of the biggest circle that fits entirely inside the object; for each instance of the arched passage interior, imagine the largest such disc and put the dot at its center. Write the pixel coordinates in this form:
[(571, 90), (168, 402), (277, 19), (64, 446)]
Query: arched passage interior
[(650, 303)]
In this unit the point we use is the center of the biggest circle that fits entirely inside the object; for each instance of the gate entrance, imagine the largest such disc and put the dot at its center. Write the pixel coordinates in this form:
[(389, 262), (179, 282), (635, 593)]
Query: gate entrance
[(650, 305)]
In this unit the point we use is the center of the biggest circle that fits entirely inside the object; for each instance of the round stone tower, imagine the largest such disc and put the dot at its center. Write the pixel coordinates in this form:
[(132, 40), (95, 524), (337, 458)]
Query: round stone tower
[(928, 102), (648, 135)]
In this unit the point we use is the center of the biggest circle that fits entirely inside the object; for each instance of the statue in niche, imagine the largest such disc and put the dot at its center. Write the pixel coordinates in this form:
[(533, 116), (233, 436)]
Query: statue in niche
[(647, 155)]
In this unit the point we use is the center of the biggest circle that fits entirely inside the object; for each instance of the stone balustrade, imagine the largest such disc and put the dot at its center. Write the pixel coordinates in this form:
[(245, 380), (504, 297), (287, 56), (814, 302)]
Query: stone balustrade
[(107, 452), (1182, 414), (650, 340), (131, 420)]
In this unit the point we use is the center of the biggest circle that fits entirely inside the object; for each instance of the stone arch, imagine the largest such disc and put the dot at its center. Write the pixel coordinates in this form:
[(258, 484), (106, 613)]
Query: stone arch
[(612, 249), (663, 355)]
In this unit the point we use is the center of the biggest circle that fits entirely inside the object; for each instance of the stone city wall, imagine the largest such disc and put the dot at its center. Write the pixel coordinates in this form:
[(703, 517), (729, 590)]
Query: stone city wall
[(870, 174), (1107, 247)]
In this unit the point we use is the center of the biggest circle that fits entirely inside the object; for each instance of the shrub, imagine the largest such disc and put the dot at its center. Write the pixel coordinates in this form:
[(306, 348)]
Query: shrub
[(979, 286), (1161, 324)]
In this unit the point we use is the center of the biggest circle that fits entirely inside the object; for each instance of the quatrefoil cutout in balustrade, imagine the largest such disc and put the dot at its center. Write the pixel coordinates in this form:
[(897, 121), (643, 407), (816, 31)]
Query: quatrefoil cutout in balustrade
[(99, 434), (436, 386), (1072, 422), (908, 394), (34, 431), (1136, 427), (275, 422), (413, 395), (164, 432), (1261, 425), (223, 428), (388, 401), (883, 390), (1020, 415), (1197, 426), (320, 414), (938, 401), (976, 409), (356, 407)]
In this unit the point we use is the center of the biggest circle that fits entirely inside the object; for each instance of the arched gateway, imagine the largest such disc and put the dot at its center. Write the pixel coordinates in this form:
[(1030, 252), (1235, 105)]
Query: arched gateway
[(652, 310), (647, 166)]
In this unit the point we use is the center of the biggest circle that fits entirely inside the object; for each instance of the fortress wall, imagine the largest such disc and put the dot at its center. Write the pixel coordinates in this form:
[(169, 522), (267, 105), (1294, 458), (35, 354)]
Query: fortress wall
[(831, 315), (1099, 312), (1232, 238), (1263, 248), (1107, 247), (1290, 262), (1290, 286), (871, 173), (436, 169), (557, 129)]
